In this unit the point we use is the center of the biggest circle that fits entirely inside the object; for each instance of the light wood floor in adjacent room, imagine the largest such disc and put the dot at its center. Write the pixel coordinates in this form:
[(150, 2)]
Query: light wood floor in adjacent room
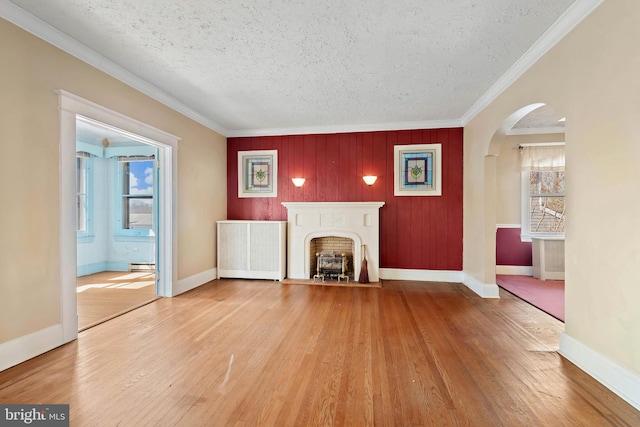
[(260, 353), (105, 295)]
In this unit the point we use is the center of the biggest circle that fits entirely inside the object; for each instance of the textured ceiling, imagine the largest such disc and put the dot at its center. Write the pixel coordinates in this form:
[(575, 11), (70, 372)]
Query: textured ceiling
[(251, 65), (544, 118)]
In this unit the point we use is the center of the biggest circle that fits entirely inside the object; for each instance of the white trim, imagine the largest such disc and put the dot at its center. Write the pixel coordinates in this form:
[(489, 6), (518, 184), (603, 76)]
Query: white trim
[(28, 346), (71, 106), (68, 233), (617, 378), (543, 144), (46, 32), (536, 131), (422, 275), (194, 281), (117, 121), (508, 226), (515, 270), (369, 127), (485, 290), (336, 205), (567, 22)]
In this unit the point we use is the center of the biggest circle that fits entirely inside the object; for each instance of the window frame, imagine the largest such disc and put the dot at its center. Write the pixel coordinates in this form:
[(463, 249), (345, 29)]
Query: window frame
[(86, 235), (526, 235), (122, 233)]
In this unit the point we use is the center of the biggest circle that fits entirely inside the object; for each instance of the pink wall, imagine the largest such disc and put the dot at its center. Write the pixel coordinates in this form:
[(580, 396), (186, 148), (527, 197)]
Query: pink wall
[(415, 232), (510, 250)]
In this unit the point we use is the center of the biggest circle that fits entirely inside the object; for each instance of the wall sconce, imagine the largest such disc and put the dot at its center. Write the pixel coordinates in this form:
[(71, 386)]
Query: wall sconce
[(298, 182), (369, 179)]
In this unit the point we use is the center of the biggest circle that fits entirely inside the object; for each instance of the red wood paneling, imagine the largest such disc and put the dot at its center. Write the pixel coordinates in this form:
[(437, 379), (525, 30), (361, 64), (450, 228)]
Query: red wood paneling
[(510, 250), (415, 232)]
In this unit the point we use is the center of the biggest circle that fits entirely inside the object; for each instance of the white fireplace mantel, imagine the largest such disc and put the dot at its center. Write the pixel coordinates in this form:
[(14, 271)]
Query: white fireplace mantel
[(359, 221)]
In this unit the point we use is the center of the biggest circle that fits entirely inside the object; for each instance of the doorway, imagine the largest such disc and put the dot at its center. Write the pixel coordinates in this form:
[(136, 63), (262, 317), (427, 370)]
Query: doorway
[(117, 217), (529, 206), (71, 107)]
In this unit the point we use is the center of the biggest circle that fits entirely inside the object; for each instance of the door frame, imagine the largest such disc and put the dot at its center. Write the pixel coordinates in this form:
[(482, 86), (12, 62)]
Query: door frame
[(70, 106)]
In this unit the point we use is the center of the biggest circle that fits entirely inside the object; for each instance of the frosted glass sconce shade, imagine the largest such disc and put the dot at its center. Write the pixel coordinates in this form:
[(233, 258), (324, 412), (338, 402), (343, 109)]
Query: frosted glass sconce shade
[(369, 179), (298, 182)]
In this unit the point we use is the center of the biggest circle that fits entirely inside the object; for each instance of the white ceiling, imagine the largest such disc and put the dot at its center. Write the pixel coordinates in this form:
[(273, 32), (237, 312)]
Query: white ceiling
[(248, 67)]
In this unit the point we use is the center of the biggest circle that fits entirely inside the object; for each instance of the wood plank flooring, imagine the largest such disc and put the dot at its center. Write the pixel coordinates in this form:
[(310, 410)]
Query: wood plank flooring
[(260, 353), (108, 294)]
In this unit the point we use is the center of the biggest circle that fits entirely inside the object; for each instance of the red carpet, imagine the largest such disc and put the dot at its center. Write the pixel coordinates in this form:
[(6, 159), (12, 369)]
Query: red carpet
[(547, 295)]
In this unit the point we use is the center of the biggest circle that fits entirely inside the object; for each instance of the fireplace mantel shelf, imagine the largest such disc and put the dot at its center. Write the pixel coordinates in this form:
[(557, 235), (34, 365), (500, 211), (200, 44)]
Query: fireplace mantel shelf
[(333, 204)]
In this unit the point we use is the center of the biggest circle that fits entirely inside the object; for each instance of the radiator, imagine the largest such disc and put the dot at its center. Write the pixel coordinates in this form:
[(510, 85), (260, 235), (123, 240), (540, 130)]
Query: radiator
[(548, 258), (137, 266)]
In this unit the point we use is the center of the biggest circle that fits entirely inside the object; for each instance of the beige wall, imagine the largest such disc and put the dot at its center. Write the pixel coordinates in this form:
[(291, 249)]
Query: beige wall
[(591, 77), (29, 175), (508, 175)]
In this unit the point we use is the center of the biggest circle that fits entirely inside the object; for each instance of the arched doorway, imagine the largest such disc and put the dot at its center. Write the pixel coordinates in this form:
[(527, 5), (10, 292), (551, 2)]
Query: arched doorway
[(521, 205)]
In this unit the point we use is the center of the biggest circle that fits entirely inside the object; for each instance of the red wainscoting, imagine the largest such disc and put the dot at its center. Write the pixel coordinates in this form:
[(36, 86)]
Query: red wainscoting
[(415, 232), (510, 250)]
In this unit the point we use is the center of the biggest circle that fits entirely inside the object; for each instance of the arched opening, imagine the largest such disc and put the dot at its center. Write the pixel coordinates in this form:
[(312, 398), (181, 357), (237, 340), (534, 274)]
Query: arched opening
[(525, 208)]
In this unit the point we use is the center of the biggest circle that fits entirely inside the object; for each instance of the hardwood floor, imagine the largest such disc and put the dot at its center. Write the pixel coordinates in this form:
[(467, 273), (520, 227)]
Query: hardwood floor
[(105, 295), (236, 352)]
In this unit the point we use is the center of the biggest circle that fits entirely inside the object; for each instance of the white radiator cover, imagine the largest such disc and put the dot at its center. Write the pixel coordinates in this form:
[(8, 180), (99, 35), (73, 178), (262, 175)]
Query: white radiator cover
[(252, 249), (548, 258)]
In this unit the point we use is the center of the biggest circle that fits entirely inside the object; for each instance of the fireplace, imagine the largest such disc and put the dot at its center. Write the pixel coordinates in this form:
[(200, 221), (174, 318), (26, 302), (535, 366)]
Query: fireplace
[(332, 265), (340, 227), (331, 246)]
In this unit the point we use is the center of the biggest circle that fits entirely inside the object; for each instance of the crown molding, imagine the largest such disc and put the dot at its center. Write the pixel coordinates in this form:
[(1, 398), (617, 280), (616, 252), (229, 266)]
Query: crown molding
[(57, 38), (563, 25), (535, 131), (432, 124)]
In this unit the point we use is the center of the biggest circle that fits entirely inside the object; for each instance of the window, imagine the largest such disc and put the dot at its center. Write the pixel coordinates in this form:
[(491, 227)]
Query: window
[(136, 195), (546, 202), (83, 194), (543, 191)]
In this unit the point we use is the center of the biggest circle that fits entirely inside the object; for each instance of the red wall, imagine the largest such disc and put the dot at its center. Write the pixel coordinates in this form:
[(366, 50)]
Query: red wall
[(415, 232), (510, 250)]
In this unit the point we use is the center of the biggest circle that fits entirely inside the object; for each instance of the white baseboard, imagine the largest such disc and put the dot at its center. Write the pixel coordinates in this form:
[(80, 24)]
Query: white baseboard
[(485, 290), (194, 281), (621, 381), (520, 270), (421, 275), (29, 346)]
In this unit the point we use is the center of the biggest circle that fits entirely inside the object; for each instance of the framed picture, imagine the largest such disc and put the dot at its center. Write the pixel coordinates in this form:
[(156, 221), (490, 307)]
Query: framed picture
[(258, 173), (417, 170)]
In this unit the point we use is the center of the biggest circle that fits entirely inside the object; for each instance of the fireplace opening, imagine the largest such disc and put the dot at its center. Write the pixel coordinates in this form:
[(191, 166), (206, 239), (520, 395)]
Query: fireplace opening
[(331, 257)]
